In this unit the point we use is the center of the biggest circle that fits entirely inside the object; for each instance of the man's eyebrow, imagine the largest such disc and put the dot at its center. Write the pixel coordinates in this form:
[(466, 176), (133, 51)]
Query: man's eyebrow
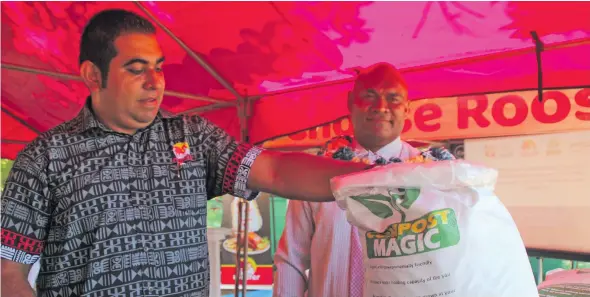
[(142, 61), (389, 93)]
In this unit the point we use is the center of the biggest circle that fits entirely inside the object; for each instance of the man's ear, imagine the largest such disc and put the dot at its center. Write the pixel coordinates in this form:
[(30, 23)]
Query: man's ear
[(407, 108), (91, 75)]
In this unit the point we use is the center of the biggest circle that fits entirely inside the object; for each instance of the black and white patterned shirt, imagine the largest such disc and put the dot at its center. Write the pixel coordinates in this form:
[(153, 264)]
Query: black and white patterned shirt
[(111, 214)]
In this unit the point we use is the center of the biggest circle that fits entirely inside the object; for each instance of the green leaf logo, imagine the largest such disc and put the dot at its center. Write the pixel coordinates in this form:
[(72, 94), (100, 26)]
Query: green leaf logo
[(384, 207), (408, 197), (375, 204)]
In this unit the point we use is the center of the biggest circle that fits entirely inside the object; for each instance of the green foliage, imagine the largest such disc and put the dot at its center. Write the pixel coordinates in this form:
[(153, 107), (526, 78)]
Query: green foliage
[(5, 167)]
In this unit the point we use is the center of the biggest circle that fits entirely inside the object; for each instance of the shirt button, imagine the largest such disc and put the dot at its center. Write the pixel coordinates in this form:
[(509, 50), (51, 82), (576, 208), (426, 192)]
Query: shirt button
[(147, 249)]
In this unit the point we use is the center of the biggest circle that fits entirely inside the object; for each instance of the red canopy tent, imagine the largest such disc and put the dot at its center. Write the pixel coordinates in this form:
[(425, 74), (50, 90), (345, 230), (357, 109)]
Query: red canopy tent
[(291, 62)]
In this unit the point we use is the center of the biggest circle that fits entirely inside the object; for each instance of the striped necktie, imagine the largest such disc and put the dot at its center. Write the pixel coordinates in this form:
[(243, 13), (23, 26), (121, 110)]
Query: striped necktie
[(356, 278)]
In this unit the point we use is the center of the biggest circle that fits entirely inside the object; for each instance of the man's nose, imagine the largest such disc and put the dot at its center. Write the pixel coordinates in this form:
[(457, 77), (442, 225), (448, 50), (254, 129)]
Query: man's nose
[(380, 104), (154, 80)]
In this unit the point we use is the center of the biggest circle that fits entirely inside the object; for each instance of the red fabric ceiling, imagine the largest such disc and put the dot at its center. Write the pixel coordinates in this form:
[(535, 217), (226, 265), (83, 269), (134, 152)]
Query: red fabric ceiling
[(294, 58)]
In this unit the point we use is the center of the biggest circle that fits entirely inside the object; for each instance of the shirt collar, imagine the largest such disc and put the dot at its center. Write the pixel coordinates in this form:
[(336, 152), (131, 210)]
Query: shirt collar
[(86, 120), (89, 121), (391, 150)]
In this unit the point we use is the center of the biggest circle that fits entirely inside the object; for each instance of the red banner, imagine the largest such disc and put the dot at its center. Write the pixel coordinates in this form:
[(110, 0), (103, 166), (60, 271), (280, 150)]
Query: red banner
[(502, 114)]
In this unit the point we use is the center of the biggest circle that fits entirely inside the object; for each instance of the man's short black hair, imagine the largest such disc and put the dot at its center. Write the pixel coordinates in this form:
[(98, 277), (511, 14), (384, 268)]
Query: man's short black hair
[(98, 40)]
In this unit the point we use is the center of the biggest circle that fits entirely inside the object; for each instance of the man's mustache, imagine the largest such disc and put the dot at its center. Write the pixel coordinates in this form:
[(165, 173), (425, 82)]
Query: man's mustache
[(380, 118)]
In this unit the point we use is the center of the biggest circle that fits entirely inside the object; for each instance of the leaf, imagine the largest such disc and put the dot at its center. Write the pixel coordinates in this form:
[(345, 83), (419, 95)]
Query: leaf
[(410, 196), (377, 208), (372, 197), (373, 204)]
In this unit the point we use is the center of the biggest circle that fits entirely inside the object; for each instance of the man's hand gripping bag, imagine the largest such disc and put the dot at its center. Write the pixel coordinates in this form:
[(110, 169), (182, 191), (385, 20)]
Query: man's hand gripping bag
[(435, 229)]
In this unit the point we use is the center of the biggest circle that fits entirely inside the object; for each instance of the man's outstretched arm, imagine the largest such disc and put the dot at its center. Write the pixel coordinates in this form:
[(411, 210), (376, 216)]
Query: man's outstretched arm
[(15, 279), (299, 176)]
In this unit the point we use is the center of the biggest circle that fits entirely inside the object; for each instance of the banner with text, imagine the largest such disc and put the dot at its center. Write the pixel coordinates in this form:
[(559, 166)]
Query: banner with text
[(478, 116)]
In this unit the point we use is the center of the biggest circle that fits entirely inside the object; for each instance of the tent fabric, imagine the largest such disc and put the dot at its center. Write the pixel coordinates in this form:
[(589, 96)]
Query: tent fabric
[(294, 60)]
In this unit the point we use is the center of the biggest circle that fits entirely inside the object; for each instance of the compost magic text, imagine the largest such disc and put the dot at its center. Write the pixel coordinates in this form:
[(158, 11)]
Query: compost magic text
[(435, 230)]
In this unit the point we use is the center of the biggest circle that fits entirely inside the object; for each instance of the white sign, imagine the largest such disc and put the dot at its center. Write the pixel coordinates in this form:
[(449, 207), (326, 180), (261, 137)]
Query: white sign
[(544, 181)]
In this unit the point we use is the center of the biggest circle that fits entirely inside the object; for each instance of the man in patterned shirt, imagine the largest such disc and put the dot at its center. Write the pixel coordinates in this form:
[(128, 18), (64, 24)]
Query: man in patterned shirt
[(113, 202)]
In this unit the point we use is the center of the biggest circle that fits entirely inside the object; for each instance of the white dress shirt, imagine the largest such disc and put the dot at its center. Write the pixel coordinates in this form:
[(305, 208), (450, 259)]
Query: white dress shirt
[(317, 237)]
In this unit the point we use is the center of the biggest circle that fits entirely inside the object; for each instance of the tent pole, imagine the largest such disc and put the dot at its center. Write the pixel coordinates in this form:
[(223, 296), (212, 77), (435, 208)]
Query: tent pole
[(243, 115), (191, 53), (244, 267), (22, 122), (67, 76), (27, 69), (10, 141), (198, 98), (239, 236), (305, 88), (244, 110), (209, 107)]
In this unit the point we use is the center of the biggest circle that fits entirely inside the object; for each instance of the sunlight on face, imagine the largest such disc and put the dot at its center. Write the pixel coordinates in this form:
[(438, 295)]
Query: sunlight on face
[(379, 107)]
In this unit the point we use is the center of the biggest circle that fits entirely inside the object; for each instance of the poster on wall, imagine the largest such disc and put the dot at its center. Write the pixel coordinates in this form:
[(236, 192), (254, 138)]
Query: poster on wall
[(223, 212), (543, 181)]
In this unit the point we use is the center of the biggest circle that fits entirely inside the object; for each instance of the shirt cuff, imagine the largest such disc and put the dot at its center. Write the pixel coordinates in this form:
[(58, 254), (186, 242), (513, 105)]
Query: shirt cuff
[(19, 248), (244, 155)]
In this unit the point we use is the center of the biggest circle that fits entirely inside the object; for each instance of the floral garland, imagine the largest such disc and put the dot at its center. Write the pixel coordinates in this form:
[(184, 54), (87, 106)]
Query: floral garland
[(342, 148)]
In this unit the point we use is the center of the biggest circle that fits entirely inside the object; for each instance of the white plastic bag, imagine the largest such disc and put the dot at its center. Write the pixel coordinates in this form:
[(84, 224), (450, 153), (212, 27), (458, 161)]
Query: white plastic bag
[(435, 229)]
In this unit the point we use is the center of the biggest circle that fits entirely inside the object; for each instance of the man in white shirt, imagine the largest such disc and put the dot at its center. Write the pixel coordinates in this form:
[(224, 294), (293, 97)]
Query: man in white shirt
[(317, 236)]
